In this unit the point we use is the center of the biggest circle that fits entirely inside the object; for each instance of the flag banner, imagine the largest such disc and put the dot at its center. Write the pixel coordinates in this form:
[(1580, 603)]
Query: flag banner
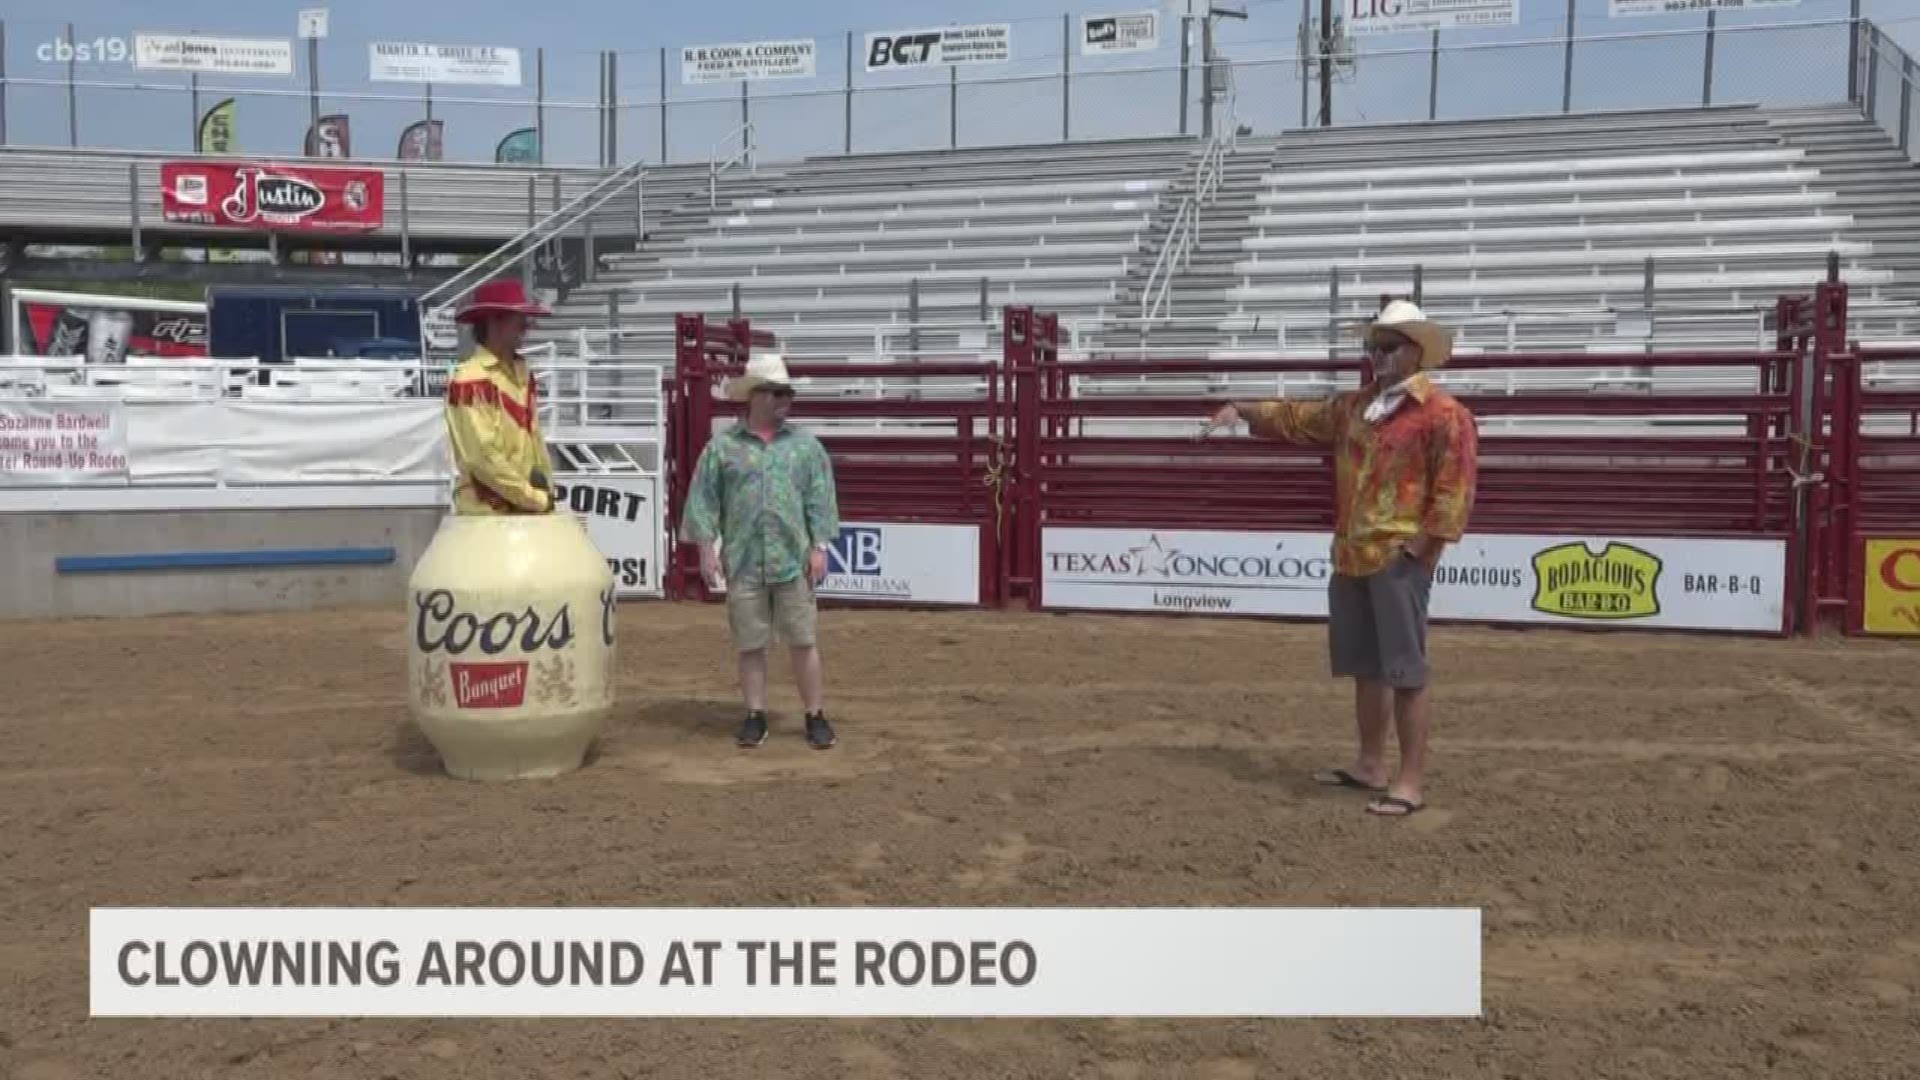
[(216, 134), (330, 137), (522, 146), (422, 141)]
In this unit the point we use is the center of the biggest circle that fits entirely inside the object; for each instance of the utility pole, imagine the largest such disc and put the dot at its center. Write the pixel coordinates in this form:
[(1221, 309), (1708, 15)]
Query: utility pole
[(1214, 11), (1326, 63)]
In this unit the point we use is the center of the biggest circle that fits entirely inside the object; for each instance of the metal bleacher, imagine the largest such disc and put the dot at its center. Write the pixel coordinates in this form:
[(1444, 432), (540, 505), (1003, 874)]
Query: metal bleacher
[(825, 252)]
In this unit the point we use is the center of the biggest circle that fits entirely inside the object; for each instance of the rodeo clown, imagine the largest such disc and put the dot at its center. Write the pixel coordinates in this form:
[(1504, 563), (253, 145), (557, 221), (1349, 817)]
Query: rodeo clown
[(500, 459)]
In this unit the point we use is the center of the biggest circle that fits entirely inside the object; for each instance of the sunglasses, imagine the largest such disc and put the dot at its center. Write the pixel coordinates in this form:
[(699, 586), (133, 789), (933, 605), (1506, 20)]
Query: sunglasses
[(1386, 346)]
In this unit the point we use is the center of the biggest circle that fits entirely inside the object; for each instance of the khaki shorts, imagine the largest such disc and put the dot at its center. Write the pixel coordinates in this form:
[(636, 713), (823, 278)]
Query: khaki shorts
[(754, 612), (1377, 628)]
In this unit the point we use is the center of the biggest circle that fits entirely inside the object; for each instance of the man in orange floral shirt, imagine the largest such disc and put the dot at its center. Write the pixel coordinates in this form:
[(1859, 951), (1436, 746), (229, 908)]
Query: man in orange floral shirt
[(1405, 458)]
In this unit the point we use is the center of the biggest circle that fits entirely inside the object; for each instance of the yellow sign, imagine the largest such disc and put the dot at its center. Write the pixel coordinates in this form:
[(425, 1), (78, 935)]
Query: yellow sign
[(1892, 587), (1621, 582)]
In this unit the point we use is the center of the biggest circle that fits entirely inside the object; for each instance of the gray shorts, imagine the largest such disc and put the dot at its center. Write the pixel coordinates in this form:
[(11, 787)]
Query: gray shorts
[(754, 612), (1377, 625)]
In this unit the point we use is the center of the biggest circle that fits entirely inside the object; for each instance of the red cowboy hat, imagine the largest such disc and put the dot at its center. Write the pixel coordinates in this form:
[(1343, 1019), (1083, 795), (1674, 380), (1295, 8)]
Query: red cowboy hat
[(508, 295)]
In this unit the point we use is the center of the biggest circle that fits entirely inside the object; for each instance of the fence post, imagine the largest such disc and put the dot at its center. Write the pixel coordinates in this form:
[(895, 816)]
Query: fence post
[(1066, 76), (1646, 300), (913, 317), (1906, 97), (1333, 313), (1419, 283), (1706, 83), (986, 309), (664, 156), (1873, 74), (1566, 74), (406, 228), (746, 117), (3, 84), (1830, 352), (540, 106), (1853, 52), (533, 216), (193, 106), (133, 207), (1186, 56), (1433, 78), (848, 147), (953, 106), (613, 109), (1017, 570), (736, 299), (73, 94)]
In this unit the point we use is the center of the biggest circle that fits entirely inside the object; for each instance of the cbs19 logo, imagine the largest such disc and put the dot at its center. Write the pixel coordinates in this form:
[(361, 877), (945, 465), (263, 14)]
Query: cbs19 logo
[(100, 50)]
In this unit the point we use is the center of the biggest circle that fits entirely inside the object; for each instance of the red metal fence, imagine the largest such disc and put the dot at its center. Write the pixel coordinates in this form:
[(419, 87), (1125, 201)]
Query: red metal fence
[(1019, 446)]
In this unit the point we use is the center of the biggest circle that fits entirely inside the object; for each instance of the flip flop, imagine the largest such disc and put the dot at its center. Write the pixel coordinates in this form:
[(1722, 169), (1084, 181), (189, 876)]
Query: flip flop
[(1342, 778), (1409, 808)]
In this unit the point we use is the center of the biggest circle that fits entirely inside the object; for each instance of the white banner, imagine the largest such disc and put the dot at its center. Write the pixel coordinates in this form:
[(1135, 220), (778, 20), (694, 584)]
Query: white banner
[(898, 563), (1626, 9), (1401, 16), (747, 60), (984, 44), (57, 443), (483, 65), (1652, 582), (795, 962), (623, 518), (220, 56), (1137, 31)]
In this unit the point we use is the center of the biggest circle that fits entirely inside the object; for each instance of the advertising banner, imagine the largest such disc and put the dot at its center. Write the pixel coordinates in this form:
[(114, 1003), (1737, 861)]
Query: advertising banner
[(61, 443), (423, 140), (330, 137), (1401, 16), (478, 65), (106, 329), (1625, 9), (895, 49), (522, 146), (1663, 583), (216, 133), (1132, 32), (622, 516), (904, 564), (292, 197), (747, 60), (213, 55), (1891, 592)]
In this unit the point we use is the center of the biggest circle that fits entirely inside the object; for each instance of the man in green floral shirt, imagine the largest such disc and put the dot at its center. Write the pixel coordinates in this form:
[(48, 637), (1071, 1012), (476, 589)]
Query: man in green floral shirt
[(763, 499)]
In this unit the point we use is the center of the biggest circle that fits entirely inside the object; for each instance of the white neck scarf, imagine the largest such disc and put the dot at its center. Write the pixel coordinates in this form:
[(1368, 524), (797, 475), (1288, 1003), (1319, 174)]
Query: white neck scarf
[(1383, 404)]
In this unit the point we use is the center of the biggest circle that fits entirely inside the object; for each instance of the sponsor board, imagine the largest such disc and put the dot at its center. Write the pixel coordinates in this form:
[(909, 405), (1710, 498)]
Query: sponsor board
[(1622, 9), (904, 564), (106, 329), (483, 657), (1891, 592), (1131, 32), (1663, 583), (291, 197), (413, 62), (622, 517), (213, 55), (896, 563), (49, 443), (1402, 16), (983, 44), (747, 60)]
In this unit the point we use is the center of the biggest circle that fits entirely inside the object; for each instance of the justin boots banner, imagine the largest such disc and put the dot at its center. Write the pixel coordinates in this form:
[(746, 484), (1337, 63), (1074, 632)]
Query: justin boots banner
[(257, 196)]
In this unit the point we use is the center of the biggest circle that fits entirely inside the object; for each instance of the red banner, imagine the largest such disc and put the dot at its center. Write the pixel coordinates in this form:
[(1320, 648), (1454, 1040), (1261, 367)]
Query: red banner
[(257, 196)]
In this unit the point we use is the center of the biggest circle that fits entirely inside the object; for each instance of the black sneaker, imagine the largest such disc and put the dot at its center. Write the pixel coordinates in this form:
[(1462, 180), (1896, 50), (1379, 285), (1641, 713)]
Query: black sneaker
[(820, 733), (753, 730)]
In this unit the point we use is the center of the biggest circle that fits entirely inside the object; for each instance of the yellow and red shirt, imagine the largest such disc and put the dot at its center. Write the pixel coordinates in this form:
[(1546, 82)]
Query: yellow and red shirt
[(1409, 473), (494, 430)]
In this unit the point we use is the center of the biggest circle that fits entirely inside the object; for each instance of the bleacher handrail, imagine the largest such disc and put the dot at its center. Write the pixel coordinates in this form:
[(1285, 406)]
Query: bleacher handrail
[(1183, 232), (549, 228), (717, 165)]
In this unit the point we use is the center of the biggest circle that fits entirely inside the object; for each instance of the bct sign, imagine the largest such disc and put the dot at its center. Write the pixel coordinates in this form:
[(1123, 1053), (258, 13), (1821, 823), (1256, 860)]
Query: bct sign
[(985, 44)]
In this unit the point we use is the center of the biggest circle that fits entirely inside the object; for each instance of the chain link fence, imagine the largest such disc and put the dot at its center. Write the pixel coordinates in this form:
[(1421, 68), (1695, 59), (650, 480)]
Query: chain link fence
[(61, 88)]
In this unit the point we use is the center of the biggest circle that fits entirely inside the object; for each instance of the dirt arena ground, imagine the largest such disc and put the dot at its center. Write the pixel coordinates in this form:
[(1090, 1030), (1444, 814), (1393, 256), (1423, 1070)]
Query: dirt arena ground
[(1698, 857)]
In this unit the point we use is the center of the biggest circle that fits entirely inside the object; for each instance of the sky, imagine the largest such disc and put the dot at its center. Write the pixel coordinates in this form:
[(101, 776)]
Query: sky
[(1018, 101)]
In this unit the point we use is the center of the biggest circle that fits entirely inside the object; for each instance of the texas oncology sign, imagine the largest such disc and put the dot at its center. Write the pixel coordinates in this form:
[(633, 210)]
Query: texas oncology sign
[(1892, 589)]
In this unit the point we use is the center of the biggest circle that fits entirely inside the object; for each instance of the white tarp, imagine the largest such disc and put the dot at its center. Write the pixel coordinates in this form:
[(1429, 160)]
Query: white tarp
[(747, 60), (52, 443), (480, 65), (278, 442), (1373, 17)]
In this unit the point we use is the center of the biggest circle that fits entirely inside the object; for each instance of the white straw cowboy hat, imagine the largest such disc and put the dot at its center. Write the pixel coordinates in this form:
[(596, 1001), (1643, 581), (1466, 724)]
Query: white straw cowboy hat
[(766, 369), (1405, 318)]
